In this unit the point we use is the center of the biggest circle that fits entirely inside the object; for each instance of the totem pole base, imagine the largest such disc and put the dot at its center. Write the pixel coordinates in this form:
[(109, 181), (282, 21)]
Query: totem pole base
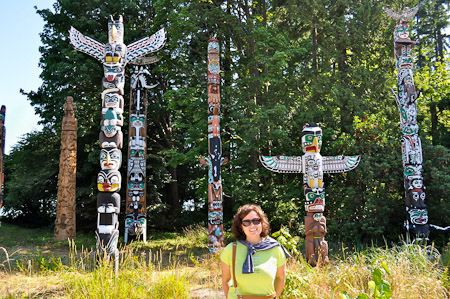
[(316, 246), (135, 229)]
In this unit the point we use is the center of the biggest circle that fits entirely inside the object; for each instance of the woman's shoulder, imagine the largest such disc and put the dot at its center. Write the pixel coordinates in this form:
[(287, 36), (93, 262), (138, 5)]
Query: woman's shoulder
[(227, 252)]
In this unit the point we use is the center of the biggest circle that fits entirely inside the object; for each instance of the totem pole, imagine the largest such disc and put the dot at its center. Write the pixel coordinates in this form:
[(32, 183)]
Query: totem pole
[(114, 56), (313, 165), (2, 153), (406, 98), (135, 220), (214, 159), (65, 227)]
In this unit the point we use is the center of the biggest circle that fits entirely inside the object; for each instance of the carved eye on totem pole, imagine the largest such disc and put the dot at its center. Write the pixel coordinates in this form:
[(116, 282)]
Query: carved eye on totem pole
[(411, 170), (136, 186), (109, 181), (416, 198), (110, 159), (136, 153), (409, 129)]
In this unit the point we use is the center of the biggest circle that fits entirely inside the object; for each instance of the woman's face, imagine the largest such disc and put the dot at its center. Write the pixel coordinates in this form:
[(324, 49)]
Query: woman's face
[(253, 230)]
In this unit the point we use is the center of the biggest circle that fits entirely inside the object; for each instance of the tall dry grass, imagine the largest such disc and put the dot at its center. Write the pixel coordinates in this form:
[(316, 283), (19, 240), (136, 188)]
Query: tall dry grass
[(408, 269), (146, 272)]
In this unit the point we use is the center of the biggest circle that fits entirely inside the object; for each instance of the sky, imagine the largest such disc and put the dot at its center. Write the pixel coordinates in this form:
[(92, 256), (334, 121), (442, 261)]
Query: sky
[(20, 57)]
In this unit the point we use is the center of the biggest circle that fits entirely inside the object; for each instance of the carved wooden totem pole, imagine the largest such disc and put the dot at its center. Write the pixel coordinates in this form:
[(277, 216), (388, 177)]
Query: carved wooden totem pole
[(313, 165), (214, 159), (135, 220), (65, 224), (114, 56), (406, 98), (2, 153)]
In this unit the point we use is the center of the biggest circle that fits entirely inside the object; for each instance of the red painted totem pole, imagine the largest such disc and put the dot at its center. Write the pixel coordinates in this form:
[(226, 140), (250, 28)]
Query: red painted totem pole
[(214, 159)]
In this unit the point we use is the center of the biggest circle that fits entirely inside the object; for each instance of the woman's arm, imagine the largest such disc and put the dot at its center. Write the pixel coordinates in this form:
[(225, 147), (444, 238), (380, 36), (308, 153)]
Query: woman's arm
[(280, 279), (226, 277)]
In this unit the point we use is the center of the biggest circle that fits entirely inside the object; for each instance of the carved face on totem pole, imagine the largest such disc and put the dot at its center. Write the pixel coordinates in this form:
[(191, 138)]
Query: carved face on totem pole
[(112, 99), (114, 78), (109, 181), (115, 30), (137, 121), (110, 159), (215, 217), (213, 46), (111, 123), (314, 201), (311, 138), (418, 216), (413, 171), (409, 129), (401, 31)]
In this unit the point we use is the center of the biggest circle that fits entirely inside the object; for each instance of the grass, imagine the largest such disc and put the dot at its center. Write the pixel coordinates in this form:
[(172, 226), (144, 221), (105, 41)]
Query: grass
[(179, 266)]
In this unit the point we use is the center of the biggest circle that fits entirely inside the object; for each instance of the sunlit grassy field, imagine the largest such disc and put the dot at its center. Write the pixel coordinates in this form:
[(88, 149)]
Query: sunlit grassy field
[(178, 265)]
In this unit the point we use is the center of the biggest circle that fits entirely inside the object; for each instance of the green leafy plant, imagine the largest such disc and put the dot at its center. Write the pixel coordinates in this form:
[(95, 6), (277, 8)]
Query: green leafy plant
[(286, 239), (379, 288)]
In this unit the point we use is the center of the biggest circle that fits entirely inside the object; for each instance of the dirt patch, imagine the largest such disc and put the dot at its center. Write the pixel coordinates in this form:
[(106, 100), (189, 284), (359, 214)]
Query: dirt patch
[(207, 294)]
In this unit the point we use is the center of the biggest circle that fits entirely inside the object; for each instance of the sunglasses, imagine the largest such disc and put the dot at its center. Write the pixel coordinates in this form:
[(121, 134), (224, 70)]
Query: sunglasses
[(255, 221)]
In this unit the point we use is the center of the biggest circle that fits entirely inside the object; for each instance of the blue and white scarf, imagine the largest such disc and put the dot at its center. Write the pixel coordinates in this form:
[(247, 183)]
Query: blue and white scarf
[(266, 244)]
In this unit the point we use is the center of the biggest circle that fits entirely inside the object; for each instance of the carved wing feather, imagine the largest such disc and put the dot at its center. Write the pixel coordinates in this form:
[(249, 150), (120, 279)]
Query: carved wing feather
[(338, 164), (146, 45), (411, 13), (393, 13), (406, 14), (86, 44), (282, 164)]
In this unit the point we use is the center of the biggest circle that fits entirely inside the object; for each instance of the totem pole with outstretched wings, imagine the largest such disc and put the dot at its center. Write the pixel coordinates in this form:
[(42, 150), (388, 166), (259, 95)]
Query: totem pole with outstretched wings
[(114, 56), (313, 165)]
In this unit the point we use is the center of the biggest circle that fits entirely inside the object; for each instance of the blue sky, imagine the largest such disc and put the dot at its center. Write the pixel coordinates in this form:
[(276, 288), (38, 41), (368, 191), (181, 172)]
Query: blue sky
[(20, 57)]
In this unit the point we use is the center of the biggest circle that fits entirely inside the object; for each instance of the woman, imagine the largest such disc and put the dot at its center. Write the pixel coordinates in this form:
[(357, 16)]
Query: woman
[(260, 262)]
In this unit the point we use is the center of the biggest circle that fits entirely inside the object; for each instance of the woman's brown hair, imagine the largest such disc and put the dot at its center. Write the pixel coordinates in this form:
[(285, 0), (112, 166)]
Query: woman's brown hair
[(243, 211)]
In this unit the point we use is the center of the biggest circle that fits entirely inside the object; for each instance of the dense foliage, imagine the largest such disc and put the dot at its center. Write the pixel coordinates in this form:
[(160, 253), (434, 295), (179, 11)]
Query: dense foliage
[(284, 63)]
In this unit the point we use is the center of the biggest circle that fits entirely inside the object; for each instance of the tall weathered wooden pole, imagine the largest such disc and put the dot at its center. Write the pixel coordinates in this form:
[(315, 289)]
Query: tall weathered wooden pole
[(114, 56), (65, 223), (214, 159)]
